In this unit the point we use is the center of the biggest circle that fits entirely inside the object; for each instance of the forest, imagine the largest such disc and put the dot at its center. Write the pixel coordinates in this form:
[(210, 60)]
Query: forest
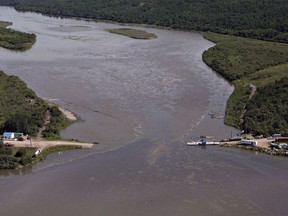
[(267, 113), (261, 19), (262, 64), (22, 111)]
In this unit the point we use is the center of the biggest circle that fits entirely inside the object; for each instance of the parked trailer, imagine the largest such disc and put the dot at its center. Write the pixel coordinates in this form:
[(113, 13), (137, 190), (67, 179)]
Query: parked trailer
[(281, 139), (248, 142)]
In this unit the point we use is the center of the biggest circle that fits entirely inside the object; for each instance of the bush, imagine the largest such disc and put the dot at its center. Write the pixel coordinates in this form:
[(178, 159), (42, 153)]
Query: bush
[(25, 160), (8, 162), (5, 150), (21, 152)]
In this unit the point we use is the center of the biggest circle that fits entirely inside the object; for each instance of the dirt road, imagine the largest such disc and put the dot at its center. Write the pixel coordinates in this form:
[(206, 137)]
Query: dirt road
[(41, 144)]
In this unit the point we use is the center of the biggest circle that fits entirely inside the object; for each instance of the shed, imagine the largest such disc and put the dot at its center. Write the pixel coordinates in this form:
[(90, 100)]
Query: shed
[(8, 135), (18, 134)]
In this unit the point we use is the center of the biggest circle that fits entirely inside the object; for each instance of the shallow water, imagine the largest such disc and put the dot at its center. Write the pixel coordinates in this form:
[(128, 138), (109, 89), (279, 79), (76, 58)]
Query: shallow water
[(142, 100)]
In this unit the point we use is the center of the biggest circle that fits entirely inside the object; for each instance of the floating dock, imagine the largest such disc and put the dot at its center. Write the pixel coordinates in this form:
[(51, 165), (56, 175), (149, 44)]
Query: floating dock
[(199, 143)]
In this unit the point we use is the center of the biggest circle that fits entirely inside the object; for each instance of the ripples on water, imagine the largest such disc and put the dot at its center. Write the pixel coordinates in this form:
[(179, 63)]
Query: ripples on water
[(144, 99)]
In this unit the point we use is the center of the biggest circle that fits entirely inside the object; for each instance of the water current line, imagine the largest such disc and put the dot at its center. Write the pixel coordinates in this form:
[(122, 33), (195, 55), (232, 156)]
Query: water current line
[(137, 129), (187, 134)]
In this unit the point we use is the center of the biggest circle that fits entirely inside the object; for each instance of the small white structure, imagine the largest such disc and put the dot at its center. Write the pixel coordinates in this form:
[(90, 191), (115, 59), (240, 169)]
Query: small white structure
[(8, 135), (38, 151)]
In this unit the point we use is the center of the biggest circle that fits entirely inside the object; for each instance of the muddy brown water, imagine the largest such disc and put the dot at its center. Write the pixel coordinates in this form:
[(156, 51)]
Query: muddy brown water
[(142, 100)]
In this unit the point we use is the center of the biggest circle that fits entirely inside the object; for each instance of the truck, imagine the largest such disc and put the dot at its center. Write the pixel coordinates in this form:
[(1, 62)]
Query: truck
[(248, 142)]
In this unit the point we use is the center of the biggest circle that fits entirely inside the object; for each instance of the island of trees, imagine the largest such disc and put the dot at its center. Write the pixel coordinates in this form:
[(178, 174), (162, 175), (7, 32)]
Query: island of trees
[(15, 40), (257, 68)]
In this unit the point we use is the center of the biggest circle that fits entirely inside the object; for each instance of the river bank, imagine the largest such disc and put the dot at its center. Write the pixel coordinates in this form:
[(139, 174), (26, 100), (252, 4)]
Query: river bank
[(255, 74), (263, 146)]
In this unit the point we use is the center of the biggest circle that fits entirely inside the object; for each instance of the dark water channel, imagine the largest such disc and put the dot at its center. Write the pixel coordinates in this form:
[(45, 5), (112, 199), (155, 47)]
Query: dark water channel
[(142, 100)]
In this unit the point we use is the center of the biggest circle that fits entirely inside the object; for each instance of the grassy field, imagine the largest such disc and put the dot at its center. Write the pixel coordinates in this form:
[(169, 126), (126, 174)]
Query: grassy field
[(133, 33), (244, 62)]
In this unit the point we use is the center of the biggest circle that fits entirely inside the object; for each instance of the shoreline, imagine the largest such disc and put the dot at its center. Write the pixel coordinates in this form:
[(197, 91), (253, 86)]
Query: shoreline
[(260, 149), (68, 114), (263, 146)]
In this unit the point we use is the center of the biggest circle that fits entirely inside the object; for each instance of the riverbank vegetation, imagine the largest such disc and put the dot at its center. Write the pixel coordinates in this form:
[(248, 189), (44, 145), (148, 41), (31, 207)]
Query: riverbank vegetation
[(53, 149), (4, 24), (15, 40), (13, 157), (265, 19), (57, 122), (267, 113), (22, 111), (133, 33), (17, 157), (247, 63)]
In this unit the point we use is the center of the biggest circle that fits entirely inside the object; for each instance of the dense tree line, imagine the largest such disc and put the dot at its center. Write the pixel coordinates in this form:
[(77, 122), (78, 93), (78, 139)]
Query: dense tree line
[(57, 122), (262, 19), (267, 113), (20, 109)]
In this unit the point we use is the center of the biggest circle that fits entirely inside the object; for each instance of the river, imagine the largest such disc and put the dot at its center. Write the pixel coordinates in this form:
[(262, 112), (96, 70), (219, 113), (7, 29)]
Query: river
[(142, 100)]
